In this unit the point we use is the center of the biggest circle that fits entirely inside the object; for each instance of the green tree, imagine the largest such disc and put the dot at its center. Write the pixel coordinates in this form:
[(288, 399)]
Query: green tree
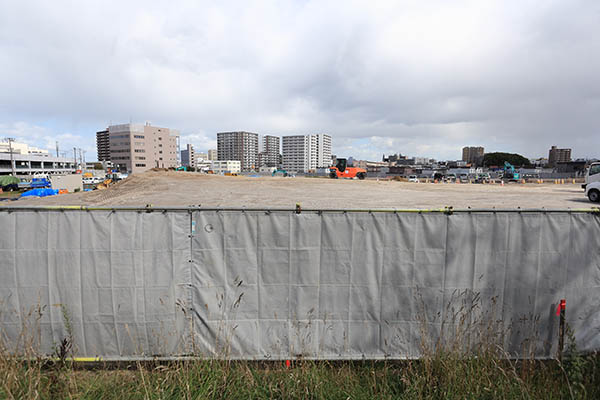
[(498, 159)]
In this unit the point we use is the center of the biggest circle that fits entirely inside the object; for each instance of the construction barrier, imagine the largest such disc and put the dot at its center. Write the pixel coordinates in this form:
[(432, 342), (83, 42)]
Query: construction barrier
[(281, 284)]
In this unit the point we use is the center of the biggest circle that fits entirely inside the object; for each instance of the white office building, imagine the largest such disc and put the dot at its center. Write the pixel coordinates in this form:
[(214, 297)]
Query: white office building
[(222, 166), (304, 153)]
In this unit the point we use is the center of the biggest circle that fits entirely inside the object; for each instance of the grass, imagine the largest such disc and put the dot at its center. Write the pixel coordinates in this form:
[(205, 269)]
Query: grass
[(442, 377), (466, 361)]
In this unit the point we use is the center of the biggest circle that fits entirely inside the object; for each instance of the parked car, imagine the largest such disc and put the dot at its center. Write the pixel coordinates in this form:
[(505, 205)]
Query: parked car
[(413, 178)]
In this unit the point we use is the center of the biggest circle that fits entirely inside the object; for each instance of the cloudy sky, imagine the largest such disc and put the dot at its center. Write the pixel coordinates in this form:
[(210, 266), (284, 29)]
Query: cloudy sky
[(417, 77)]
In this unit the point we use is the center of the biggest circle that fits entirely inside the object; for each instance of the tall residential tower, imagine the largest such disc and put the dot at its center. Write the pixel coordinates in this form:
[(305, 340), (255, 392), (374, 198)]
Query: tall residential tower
[(240, 146)]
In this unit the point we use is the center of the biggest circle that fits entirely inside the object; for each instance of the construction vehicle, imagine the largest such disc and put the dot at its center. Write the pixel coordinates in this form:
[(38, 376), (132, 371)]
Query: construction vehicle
[(510, 174), (342, 170), (282, 171), (182, 168)]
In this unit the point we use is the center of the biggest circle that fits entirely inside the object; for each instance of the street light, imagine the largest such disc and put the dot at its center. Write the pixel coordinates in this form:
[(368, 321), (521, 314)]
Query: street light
[(12, 163)]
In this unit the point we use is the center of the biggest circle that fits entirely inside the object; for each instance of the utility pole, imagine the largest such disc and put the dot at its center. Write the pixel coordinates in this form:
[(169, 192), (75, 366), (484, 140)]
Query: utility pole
[(12, 161), (57, 148), (75, 156)]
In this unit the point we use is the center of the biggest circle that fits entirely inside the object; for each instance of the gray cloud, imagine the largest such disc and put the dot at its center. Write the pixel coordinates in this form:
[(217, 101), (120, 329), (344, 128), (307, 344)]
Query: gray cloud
[(421, 78)]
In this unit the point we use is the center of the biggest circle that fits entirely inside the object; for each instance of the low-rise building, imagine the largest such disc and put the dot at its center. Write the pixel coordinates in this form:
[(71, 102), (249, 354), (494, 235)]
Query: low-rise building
[(222, 166), (22, 148), (29, 164)]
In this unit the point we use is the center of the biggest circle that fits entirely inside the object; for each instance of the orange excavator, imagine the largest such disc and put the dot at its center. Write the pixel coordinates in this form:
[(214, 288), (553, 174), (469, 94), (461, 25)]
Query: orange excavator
[(341, 170)]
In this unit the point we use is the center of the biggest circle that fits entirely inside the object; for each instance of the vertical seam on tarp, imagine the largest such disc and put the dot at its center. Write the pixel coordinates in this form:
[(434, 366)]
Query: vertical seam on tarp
[(473, 225), (413, 286), (48, 281), (443, 305), (380, 281), (112, 286), (189, 306), (19, 311), (289, 299), (82, 311), (145, 219), (318, 330), (350, 286), (259, 346), (226, 331), (506, 253), (543, 218), (565, 270)]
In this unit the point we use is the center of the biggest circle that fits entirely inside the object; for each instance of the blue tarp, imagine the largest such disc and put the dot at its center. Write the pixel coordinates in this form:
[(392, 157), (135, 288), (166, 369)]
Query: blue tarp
[(40, 192)]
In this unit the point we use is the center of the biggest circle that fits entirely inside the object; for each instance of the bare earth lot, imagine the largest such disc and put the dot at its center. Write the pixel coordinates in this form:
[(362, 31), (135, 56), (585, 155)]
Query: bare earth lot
[(187, 188)]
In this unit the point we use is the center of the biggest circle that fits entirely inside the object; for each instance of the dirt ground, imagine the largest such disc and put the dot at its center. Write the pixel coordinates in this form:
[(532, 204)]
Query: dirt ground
[(188, 188)]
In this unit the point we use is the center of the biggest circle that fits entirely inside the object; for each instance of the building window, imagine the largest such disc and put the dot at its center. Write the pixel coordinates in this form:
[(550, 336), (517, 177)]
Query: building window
[(138, 136), (140, 165)]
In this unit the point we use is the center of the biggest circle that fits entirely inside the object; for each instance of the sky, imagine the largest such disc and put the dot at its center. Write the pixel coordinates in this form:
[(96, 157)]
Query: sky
[(420, 78)]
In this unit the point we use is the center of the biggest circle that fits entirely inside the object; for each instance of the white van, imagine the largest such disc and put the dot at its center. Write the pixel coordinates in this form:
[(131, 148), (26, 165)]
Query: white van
[(592, 182), (592, 174)]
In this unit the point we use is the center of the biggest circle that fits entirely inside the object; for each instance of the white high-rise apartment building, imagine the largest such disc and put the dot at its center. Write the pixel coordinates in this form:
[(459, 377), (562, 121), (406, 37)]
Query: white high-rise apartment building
[(269, 156), (302, 153)]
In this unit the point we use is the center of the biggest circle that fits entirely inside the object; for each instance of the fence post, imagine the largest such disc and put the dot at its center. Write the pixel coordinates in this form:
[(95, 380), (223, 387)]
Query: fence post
[(560, 311)]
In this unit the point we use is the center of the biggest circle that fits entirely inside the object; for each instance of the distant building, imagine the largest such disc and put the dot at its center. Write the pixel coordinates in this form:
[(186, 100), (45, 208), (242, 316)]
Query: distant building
[(269, 156), (103, 145), (240, 146), (222, 166), (472, 155), (556, 155), (539, 162), (303, 153), (188, 156), (138, 147), (201, 156), (212, 155), (22, 148)]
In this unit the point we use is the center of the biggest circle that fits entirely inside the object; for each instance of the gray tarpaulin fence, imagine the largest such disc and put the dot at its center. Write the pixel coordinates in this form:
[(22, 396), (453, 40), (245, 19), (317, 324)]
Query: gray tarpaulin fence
[(274, 284)]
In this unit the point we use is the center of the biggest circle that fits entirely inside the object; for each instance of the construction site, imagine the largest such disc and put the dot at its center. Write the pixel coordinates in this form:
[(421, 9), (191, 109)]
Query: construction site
[(181, 189)]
